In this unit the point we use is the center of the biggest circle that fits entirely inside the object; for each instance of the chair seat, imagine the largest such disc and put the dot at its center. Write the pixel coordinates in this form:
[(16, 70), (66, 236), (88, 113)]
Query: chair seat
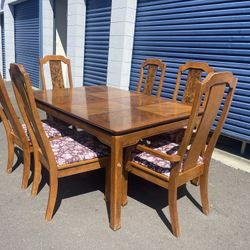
[(83, 147), (172, 136), (51, 130), (155, 163)]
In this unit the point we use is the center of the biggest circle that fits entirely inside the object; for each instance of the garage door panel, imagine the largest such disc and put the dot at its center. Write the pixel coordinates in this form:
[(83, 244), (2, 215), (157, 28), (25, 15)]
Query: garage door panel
[(216, 32), (98, 14), (27, 38)]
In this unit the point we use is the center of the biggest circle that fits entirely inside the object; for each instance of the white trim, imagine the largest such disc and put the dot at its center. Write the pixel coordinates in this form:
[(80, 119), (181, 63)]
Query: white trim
[(231, 160), (121, 38)]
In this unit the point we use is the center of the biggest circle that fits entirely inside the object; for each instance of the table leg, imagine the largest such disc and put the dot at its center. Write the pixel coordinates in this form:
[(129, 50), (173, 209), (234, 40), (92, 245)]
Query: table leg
[(115, 183)]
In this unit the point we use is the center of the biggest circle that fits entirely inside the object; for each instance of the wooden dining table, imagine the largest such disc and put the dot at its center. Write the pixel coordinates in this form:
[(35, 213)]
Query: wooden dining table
[(118, 118)]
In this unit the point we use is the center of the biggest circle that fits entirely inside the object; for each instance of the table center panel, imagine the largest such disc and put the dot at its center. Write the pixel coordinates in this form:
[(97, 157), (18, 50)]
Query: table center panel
[(113, 109)]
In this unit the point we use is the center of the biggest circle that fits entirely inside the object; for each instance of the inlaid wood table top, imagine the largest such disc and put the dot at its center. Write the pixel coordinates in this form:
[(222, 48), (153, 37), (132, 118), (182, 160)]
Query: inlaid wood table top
[(114, 110)]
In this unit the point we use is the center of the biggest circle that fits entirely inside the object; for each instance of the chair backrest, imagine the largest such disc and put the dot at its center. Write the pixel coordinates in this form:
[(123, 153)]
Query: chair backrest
[(194, 74), (151, 66), (56, 72), (9, 112), (220, 88), (25, 98)]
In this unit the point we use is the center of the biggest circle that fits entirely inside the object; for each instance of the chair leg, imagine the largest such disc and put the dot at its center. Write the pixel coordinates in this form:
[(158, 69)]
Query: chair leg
[(10, 155), (107, 183), (204, 193), (37, 174), (172, 203), (26, 168), (127, 156), (10, 140), (52, 198), (196, 181), (124, 187)]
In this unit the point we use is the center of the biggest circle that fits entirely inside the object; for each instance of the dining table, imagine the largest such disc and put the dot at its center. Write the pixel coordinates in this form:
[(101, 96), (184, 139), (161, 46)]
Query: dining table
[(118, 118)]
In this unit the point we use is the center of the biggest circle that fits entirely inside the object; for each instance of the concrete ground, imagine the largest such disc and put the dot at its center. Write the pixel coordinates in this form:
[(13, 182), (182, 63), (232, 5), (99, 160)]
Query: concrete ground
[(81, 220)]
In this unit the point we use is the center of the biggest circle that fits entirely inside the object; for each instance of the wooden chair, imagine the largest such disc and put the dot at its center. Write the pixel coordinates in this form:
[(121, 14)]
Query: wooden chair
[(61, 157), (55, 63), (172, 165), (194, 73), (56, 72), (195, 70), (17, 134), (151, 67)]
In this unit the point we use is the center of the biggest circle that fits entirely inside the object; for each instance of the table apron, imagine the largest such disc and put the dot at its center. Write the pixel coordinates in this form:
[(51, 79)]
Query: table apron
[(105, 137)]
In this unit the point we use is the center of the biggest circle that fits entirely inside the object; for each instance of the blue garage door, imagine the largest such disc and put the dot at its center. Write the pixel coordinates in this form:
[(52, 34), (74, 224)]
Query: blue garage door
[(27, 38), (214, 31), (96, 42), (3, 47)]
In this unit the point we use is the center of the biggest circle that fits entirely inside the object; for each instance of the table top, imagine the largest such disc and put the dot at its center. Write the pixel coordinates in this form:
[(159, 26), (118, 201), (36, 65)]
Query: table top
[(114, 110)]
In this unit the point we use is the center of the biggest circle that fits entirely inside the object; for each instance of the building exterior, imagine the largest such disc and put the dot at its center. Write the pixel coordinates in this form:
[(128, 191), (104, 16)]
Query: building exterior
[(107, 41)]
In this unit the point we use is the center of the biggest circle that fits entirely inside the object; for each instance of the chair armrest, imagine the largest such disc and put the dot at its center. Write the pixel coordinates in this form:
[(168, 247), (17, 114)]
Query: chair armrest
[(172, 158)]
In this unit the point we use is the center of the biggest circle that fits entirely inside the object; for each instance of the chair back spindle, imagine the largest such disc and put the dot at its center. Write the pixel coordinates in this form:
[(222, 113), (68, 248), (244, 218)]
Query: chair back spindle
[(8, 111), (25, 98), (215, 87), (151, 66), (194, 75), (56, 72)]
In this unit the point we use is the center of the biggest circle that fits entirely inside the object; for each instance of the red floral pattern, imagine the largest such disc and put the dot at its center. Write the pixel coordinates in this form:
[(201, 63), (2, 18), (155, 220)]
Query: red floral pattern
[(51, 132), (83, 147), (156, 163), (172, 136)]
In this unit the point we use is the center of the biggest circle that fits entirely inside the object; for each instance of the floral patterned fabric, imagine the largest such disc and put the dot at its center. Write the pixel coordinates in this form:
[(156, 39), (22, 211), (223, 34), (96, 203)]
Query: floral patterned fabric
[(52, 129), (50, 132), (156, 163), (79, 147), (172, 136)]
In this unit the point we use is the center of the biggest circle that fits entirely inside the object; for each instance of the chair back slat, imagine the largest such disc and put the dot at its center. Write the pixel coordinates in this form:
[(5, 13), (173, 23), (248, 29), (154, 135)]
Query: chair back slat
[(10, 113), (56, 72), (216, 86), (150, 67), (26, 100), (194, 75), (189, 92), (150, 79)]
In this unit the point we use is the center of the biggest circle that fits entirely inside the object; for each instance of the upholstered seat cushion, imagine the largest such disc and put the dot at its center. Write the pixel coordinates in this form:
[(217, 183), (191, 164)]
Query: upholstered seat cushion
[(51, 132), (155, 163), (172, 136), (83, 147)]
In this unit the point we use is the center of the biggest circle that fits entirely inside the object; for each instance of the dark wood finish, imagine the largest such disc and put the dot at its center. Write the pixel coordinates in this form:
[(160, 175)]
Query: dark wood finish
[(151, 66), (195, 70), (119, 119), (15, 134), (25, 98), (55, 63), (215, 86)]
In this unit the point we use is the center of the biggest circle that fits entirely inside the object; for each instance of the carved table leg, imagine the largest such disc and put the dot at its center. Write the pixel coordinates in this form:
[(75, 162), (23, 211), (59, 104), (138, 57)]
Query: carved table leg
[(115, 187)]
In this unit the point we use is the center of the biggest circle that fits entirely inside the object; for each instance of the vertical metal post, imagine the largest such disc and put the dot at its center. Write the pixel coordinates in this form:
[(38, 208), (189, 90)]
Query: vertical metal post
[(243, 147)]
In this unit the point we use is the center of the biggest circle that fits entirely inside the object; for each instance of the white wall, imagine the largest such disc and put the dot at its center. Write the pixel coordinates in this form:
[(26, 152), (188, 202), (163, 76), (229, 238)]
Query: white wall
[(121, 38), (9, 35), (47, 35), (75, 38), (121, 42), (1, 56)]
